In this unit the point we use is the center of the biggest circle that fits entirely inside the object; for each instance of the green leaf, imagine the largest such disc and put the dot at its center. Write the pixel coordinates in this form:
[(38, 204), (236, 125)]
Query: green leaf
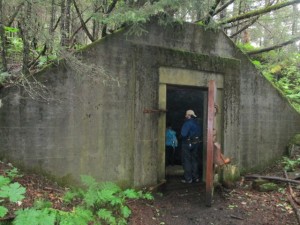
[(70, 196), (107, 216), (13, 173), (42, 204), (148, 196), (88, 180), (3, 211), (15, 192), (4, 180), (126, 212), (79, 216), (35, 217), (11, 29), (130, 193)]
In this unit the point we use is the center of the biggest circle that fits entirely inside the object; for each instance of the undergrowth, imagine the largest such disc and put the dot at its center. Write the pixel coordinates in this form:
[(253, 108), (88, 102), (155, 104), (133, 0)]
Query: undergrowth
[(93, 204)]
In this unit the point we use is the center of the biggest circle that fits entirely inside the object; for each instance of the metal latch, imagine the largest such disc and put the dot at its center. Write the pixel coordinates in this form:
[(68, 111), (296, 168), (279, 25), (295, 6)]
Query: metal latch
[(154, 111)]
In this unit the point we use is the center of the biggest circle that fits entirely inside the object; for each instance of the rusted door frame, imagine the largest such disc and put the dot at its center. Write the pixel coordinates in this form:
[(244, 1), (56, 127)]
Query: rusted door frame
[(212, 93)]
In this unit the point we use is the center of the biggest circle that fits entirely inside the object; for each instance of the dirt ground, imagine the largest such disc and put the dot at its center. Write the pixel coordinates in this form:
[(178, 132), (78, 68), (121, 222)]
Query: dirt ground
[(184, 204)]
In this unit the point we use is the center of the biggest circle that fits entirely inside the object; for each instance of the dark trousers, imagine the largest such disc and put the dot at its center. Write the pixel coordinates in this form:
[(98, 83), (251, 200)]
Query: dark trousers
[(191, 157), (170, 155)]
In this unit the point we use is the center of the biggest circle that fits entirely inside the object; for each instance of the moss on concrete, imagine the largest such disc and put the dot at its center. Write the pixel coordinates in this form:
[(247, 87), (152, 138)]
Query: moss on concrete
[(295, 140)]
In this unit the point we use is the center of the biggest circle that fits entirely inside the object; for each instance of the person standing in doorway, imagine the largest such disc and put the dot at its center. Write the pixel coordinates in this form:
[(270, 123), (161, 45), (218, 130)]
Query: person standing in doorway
[(190, 133), (171, 144)]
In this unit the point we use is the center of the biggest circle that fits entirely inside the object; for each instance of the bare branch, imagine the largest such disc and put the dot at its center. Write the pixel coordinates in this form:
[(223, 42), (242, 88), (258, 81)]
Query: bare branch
[(291, 41), (15, 14), (223, 7), (83, 25), (245, 27), (211, 12)]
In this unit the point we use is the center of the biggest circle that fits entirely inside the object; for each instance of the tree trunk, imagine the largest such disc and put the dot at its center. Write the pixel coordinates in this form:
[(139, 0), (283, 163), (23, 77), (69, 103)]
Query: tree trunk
[(52, 18), (3, 39), (96, 23), (63, 35), (25, 33), (83, 24)]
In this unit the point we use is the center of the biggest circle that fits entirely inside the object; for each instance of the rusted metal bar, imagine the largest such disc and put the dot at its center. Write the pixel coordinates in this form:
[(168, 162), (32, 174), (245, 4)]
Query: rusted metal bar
[(154, 111), (210, 141)]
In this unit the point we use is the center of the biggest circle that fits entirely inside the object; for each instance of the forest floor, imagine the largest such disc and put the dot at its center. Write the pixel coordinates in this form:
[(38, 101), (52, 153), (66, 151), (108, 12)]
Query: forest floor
[(184, 204)]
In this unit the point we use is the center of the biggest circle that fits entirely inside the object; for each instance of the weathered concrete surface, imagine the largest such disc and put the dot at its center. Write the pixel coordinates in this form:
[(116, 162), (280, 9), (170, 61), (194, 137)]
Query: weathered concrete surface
[(97, 126)]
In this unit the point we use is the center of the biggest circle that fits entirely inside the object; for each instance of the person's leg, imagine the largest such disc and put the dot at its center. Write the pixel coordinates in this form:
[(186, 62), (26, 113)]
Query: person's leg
[(172, 156), (169, 150), (195, 162), (187, 166)]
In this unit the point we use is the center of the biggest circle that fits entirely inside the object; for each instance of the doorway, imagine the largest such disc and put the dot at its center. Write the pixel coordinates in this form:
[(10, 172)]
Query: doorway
[(179, 99), (179, 90)]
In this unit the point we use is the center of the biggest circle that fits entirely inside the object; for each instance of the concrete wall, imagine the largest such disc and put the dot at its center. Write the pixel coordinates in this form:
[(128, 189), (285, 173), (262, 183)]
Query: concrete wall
[(258, 121), (88, 129), (96, 124)]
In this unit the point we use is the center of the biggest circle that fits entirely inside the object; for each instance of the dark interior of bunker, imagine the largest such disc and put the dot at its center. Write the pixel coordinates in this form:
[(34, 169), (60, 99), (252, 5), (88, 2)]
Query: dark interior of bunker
[(180, 99)]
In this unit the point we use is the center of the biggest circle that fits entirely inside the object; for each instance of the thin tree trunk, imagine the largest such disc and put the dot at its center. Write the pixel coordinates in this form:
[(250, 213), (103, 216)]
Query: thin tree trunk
[(82, 22), (52, 18), (87, 20), (295, 20), (25, 37), (15, 14), (96, 24), (211, 12), (244, 28), (63, 35), (3, 39), (68, 20), (223, 8), (109, 10)]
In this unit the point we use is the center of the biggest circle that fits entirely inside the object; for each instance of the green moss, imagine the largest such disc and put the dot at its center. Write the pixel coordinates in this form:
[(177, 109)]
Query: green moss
[(295, 140)]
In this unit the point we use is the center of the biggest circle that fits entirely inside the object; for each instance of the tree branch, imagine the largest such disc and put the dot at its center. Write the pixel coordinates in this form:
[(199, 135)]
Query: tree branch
[(222, 7), (87, 20), (260, 11), (15, 14), (291, 41), (211, 12), (245, 27), (109, 10), (83, 25), (272, 178)]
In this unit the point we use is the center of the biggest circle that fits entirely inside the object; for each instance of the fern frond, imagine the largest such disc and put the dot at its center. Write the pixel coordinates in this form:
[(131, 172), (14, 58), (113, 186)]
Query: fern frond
[(131, 193), (107, 216), (88, 180), (125, 211), (79, 216), (35, 217), (4, 180), (3, 211), (110, 186), (15, 192)]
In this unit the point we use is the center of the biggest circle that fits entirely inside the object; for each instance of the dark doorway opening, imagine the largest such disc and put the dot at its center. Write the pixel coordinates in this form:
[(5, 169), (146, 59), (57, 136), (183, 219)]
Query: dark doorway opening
[(180, 99)]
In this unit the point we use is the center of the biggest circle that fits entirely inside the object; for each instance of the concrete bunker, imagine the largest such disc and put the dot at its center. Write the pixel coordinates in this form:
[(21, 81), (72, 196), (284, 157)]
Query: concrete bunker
[(102, 130)]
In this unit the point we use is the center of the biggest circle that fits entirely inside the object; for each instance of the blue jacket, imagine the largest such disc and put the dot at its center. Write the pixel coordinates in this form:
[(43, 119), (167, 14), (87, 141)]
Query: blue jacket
[(171, 139), (190, 129)]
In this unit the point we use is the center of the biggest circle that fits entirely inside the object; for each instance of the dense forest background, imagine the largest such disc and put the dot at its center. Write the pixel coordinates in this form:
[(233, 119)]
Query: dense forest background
[(34, 33)]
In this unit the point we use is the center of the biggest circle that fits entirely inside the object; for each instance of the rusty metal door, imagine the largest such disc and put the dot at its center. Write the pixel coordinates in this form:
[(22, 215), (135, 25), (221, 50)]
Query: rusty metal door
[(212, 93)]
